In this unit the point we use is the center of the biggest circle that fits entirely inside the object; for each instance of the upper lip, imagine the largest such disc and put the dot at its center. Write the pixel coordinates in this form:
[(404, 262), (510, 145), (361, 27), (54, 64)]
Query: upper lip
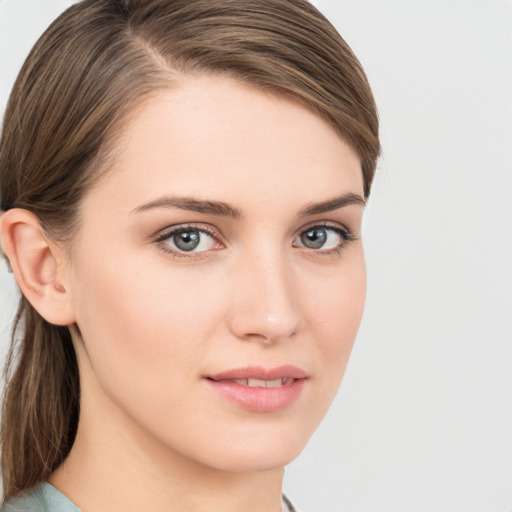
[(259, 372)]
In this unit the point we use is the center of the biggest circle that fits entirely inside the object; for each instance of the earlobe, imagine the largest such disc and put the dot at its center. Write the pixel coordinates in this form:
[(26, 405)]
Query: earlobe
[(36, 262)]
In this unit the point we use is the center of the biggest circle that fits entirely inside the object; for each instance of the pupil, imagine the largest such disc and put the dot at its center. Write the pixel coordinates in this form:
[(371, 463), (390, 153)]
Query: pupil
[(186, 240), (314, 238)]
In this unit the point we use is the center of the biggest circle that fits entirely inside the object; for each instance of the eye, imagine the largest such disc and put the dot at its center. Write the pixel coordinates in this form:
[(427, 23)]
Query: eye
[(187, 240), (323, 238)]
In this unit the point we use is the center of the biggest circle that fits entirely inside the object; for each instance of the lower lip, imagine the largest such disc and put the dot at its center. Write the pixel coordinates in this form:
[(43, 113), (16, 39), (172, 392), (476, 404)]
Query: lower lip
[(259, 399)]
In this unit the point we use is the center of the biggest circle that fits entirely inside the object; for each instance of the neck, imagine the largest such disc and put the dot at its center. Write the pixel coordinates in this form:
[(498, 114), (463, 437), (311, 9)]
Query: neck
[(96, 485), (116, 465)]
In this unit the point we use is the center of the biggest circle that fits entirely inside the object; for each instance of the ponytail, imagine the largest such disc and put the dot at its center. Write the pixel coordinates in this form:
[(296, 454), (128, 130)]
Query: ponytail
[(41, 401)]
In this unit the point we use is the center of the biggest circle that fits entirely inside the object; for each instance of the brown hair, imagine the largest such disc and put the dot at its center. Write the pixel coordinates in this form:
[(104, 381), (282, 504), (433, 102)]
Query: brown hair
[(91, 67)]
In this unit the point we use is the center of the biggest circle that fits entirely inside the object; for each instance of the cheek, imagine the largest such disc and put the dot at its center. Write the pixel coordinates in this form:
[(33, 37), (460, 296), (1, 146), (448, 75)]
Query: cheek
[(334, 311), (336, 304), (137, 324)]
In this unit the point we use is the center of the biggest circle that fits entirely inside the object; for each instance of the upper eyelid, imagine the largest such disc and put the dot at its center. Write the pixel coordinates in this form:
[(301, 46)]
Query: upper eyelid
[(164, 233), (214, 232), (327, 224)]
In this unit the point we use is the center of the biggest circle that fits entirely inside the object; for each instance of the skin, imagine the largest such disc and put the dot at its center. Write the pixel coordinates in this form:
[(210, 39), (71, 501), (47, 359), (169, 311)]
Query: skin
[(153, 322)]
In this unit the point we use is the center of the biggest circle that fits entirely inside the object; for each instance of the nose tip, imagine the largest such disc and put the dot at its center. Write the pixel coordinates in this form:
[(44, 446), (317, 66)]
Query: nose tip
[(268, 330), (271, 329), (265, 308)]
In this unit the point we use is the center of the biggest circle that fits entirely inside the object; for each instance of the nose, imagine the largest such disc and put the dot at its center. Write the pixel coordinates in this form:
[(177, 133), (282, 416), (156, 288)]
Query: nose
[(264, 306)]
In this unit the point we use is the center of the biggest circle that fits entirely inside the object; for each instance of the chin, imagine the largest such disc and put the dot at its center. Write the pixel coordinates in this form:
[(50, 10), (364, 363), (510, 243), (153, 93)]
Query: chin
[(258, 461), (255, 450)]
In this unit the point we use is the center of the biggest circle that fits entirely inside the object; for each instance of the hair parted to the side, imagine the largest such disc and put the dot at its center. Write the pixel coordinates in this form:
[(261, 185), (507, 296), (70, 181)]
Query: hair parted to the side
[(87, 72)]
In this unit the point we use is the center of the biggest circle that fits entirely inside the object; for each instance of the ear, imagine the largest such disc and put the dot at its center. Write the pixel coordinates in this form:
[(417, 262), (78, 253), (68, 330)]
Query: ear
[(38, 265)]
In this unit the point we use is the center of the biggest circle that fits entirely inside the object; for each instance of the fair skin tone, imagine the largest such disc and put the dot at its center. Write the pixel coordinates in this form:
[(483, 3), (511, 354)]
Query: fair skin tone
[(267, 271)]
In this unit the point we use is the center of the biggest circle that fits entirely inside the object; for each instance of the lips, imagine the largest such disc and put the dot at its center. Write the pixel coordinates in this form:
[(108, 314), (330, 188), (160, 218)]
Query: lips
[(260, 389), (258, 372), (261, 383)]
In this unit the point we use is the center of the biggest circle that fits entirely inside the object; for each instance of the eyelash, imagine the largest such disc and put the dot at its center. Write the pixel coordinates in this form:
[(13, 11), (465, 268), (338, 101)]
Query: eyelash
[(346, 236), (183, 228)]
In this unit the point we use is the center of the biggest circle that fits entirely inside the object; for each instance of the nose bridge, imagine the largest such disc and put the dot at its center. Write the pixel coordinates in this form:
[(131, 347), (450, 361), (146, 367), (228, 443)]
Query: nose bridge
[(265, 305)]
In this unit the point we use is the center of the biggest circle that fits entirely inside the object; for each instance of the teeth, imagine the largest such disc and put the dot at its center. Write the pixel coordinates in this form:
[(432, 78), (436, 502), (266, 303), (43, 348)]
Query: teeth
[(256, 383), (276, 383), (260, 383)]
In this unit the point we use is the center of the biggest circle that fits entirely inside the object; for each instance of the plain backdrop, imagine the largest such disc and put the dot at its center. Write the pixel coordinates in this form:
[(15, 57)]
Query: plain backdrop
[(423, 421)]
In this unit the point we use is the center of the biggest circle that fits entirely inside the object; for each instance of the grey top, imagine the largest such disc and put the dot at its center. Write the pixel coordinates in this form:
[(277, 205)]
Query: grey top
[(46, 498)]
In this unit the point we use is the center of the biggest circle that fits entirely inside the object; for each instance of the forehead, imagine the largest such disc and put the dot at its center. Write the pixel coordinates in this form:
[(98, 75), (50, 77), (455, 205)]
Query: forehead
[(212, 135)]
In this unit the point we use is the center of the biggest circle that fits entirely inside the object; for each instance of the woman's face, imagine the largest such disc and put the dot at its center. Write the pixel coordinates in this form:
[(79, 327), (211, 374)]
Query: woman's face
[(218, 276)]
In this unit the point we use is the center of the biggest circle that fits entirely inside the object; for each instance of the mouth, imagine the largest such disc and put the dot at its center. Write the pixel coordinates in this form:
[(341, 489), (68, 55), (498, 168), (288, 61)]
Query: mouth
[(259, 389), (259, 374), (261, 383)]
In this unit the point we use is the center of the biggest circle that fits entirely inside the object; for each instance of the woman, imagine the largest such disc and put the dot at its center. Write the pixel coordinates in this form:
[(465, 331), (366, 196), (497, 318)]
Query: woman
[(183, 184)]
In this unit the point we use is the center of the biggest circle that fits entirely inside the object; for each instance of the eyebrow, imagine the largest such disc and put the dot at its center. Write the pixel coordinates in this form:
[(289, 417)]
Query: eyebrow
[(226, 210), (194, 205), (332, 204)]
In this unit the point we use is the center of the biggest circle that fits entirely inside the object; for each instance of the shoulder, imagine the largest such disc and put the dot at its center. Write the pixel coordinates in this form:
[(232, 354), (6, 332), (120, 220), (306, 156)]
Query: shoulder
[(43, 498), (32, 501)]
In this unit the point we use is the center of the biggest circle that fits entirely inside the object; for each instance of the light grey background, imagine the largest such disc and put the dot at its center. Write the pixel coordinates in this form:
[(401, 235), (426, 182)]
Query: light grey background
[(423, 421)]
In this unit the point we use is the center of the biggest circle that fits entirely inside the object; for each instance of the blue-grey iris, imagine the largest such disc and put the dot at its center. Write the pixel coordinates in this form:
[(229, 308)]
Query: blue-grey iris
[(314, 238), (187, 240)]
